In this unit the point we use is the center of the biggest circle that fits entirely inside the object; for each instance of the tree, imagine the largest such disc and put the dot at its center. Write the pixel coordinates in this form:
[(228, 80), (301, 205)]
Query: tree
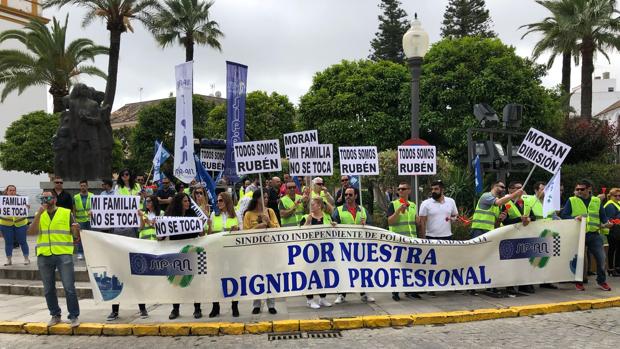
[(359, 103), (27, 145), (466, 18), (157, 122), (186, 22), (117, 14), (597, 24), (393, 24), (558, 39), (458, 73), (267, 116), (47, 60)]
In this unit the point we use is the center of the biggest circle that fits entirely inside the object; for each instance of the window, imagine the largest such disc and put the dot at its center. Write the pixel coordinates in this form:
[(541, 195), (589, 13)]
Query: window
[(610, 89)]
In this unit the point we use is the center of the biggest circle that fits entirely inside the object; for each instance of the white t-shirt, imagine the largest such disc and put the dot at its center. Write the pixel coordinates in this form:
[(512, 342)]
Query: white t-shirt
[(438, 223)]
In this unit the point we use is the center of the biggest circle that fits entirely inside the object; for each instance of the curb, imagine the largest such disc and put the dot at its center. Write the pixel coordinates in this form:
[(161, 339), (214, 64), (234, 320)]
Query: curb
[(287, 326)]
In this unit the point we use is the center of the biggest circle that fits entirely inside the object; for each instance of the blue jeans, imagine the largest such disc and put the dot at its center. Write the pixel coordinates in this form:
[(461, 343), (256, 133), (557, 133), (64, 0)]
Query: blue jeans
[(12, 234), (594, 243), (79, 249), (477, 232), (47, 269)]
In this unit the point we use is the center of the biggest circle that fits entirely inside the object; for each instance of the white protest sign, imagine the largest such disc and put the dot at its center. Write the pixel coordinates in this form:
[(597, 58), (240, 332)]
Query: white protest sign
[(298, 138), (212, 159), (257, 157), (417, 160), (167, 226), (359, 161), (543, 150), (13, 206), (114, 211), (311, 160)]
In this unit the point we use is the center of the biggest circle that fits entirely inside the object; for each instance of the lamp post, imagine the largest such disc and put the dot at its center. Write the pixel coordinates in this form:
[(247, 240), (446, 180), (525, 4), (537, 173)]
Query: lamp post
[(415, 45)]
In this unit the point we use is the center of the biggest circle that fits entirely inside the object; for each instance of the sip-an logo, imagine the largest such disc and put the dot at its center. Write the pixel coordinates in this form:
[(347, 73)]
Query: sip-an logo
[(110, 287), (537, 250), (179, 268)]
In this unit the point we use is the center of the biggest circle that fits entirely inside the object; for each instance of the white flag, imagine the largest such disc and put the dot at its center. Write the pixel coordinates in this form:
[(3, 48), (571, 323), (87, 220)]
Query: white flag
[(551, 201), (184, 165)]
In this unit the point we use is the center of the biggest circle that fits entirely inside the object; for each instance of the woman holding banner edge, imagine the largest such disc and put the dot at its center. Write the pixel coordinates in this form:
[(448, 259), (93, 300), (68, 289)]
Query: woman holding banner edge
[(259, 216), (226, 220), (181, 207)]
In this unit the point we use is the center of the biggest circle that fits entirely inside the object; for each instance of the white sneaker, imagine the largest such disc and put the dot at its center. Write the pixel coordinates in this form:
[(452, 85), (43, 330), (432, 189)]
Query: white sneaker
[(339, 299), (312, 304), (324, 303), (74, 322), (80, 257), (54, 321), (367, 299)]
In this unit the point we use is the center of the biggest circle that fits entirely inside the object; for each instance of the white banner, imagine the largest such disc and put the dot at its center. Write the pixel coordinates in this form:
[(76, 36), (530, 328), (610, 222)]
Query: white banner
[(417, 160), (168, 226), (298, 138), (553, 194), (184, 165), (311, 160), (359, 161), (213, 159), (257, 157), (284, 262), (114, 211), (543, 150), (13, 206)]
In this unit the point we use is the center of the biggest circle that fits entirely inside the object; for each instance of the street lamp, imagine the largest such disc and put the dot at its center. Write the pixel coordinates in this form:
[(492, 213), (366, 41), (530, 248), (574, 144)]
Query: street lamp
[(415, 45)]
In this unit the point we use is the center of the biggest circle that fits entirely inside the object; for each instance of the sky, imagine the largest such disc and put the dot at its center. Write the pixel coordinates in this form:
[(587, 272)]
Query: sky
[(285, 42)]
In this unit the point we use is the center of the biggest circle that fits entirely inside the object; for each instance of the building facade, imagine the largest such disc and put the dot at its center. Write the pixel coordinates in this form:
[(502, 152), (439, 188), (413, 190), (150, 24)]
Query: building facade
[(604, 93)]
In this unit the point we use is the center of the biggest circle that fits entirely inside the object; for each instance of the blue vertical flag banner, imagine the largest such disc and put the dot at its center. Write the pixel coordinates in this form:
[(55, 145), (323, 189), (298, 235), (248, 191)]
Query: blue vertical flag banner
[(478, 174), (236, 80), (203, 177), (161, 155), (184, 166)]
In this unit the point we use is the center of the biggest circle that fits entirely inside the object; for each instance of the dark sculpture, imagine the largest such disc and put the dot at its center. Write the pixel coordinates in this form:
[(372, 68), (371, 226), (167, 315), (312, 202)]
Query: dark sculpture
[(83, 142)]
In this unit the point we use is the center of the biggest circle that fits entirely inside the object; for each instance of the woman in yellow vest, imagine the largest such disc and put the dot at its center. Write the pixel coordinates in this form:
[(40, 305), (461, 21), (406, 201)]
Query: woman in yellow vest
[(612, 211), (14, 229), (317, 216), (224, 220), (147, 218), (259, 216), (199, 196)]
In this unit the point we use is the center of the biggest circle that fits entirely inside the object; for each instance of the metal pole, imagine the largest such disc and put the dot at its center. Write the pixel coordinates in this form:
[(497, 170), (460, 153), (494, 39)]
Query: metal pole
[(415, 65), (361, 203), (416, 194)]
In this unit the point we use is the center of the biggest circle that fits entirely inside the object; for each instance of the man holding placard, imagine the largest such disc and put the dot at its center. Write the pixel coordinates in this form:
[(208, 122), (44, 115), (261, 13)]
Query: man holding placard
[(291, 206), (487, 214)]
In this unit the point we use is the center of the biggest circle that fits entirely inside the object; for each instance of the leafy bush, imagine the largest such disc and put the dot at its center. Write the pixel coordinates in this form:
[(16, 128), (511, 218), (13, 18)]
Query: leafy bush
[(589, 140)]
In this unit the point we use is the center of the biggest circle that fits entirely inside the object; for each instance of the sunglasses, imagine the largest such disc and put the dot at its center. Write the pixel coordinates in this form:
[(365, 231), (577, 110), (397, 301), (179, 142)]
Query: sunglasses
[(199, 193), (401, 189), (220, 200), (57, 182), (349, 195), (580, 189), (319, 183), (125, 174)]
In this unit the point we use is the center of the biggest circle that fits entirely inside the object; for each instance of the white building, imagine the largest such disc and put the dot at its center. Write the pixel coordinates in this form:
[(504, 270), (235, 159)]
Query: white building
[(604, 93), (13, 15), (611, 114)]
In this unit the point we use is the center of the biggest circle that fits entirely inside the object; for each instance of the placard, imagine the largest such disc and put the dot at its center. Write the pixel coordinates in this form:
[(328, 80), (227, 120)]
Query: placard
[(213, 159), (299, 138), (168, 226), (359, 161), (13, 206), (417, 160), (543, 150), (257, 157), (114, 211), (311, 160)]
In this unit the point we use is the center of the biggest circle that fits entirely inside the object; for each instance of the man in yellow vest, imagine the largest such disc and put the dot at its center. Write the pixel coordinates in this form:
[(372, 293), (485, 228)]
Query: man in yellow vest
[(487, 214), (56, 227), (350, 213), (81, 210), (401, 215), (292, 206), (585, 206)]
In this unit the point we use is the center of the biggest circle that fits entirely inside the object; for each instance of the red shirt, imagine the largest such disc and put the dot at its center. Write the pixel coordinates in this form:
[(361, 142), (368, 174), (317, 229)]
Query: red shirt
[(352, 211)]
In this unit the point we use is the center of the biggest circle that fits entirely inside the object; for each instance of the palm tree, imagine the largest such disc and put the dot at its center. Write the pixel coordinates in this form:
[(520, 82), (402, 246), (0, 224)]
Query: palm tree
[(557, 39), (47, 60), (186, 22), (117, 15)]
